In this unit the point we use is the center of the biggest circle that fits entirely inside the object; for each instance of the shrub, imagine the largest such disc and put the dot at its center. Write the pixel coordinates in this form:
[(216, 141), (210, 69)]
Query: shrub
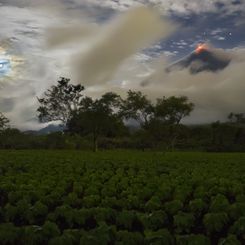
[(164, 192), (238, 227), (10, 212), (182, 193), (81, 216), (102, 235), (38, 213), (72, 200), (9, 234), (160, 237), (32, 235), (132, 202), (197, 206), (125, 219), (219, 204), (173, 207), (107, 215), (230, 240), (237, 210), (153, 221), (50, 230), (215, 222), (129, 238), (64, 216), (153, 204), (157, 220), (192, 240), (183, 222), (91, 201)]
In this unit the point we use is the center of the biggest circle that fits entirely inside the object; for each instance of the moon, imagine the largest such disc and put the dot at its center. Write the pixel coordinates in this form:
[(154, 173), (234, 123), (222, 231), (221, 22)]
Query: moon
[(9, 64), (5, 67)]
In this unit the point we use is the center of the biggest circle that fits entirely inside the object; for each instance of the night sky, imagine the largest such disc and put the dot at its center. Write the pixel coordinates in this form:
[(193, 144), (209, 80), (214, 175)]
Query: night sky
[(29, 64)]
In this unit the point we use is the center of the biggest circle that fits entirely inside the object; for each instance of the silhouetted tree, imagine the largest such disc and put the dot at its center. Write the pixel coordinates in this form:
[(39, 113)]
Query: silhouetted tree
[(60, 101), (173, 109), (215, 131), (99, 117), (168, 113), (4, 122), (236, 118), (231, 117), (138, 107)]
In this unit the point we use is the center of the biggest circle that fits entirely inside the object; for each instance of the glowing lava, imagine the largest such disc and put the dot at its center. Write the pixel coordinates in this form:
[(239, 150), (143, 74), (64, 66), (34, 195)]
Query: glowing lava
[(201, 47)]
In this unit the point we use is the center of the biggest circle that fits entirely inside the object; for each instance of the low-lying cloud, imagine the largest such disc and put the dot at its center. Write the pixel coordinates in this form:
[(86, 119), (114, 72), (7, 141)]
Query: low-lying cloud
[(215, 94)]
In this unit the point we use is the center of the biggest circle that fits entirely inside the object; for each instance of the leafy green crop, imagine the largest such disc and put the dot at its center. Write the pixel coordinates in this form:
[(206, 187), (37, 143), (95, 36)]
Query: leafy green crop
[(215, 222), (192, 240), (121, 197), (183, 222)]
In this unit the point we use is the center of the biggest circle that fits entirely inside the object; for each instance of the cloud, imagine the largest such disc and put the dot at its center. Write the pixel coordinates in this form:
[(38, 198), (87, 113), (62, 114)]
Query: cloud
[(215, 94), (33, 69), (183, 7), (60, 35), (123, 37), (22, 35)]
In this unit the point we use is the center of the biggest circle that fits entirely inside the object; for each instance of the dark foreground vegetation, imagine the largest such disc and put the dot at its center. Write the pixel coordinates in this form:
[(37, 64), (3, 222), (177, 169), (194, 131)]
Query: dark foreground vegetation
[(111, 122), (220, 137), (121, 197)]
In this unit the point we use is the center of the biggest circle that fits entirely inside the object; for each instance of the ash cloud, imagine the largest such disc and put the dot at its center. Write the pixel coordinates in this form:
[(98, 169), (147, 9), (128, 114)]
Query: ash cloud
[(118, 40), (134, 31), (60, 35)]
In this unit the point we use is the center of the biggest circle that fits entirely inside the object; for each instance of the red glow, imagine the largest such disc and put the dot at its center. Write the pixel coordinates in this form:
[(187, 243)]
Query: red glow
[(201, 47)]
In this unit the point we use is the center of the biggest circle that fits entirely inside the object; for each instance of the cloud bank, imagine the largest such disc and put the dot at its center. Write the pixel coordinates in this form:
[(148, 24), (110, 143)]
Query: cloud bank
[(215, 94), (183, 7)]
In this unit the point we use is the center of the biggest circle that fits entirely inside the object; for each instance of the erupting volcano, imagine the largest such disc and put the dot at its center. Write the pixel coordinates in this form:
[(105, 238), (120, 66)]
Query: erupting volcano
[(201, 47), (204, 58)]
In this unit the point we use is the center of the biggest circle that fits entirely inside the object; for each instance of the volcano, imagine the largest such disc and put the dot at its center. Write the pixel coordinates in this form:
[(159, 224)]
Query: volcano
[(202, 59)]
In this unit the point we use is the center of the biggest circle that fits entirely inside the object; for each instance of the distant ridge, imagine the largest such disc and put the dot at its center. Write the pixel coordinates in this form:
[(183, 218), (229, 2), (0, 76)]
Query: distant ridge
[(46, 130)]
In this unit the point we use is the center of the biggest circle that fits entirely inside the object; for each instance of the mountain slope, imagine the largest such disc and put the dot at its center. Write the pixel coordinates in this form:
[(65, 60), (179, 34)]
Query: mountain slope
[(202, 59)]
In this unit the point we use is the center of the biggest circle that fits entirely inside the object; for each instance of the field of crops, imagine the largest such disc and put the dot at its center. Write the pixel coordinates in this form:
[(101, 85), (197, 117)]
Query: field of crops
[(69, 197)]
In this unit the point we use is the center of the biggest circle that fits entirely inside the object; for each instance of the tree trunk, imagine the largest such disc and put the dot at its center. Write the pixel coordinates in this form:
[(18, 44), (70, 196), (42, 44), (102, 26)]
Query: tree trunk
[(95, 143), (174, 138), (213, 136)]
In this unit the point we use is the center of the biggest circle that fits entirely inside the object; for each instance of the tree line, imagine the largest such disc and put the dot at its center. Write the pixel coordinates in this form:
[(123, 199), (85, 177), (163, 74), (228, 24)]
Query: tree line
[(115, 122)]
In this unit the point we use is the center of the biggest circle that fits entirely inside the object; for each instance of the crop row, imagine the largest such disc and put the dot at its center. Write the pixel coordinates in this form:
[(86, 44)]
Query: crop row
[(119, 198)]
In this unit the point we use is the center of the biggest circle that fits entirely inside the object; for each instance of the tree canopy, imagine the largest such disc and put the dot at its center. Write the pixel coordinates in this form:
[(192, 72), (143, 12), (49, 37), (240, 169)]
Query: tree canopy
[(4, 122), (138, 107), (60, 101), (173, 109), (99, 117), (106, 116)]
